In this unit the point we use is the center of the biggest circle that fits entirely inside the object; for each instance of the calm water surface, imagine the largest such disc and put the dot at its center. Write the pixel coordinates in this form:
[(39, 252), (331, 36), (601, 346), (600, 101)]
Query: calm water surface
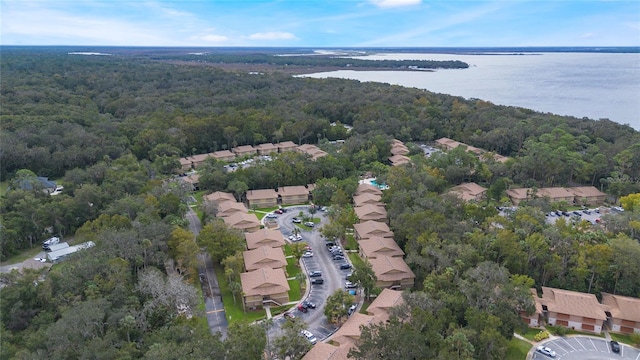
[(592, 85)]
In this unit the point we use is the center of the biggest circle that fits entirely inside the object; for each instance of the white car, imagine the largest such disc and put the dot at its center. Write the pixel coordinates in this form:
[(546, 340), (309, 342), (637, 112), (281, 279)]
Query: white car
[(546, 351), (307, 254), (312, 339), (271, 216)]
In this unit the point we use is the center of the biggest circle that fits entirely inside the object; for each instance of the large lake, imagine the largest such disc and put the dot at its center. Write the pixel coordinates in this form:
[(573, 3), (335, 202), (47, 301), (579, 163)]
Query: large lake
[(593, 85)]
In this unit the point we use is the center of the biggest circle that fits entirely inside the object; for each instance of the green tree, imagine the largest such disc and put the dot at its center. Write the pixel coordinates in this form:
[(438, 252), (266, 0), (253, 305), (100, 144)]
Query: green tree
[(220, 241), (337, 306), (245, 341), (292, 344), (364, 276)]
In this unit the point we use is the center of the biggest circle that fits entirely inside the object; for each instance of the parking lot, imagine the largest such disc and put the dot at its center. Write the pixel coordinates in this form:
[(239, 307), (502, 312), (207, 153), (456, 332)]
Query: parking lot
[(585, 348), (333, 276)]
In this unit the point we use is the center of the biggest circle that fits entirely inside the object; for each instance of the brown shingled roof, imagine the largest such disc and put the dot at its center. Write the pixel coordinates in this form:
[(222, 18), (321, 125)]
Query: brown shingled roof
[(387, 299), (622, 307), (370, 212), (264, 282), (572, 303), (242, 221), (367, 189), (219, 197), (376, 246), (391, 268), (372, 228), (367, 198), (264, 257), (264, 237), (293, 191), (261, 194), (228, 208)]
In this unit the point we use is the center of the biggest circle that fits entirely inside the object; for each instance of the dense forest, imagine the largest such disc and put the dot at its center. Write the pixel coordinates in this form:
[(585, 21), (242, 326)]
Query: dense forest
[(111, 129)]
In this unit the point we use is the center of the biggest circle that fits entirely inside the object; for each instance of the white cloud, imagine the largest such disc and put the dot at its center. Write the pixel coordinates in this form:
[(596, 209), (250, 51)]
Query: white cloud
[(587, 35), (214, 38), (395, 3), (272, 36)]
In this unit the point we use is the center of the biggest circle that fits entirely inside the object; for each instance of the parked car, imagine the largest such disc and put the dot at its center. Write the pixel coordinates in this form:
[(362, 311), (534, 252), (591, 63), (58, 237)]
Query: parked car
[(338, 257), (329, 244), (615, 347), (296, 220), (352, 309), (307, 254), (310, 224), (577, 213), (546, 351), (346, 277), (302, 308), (279, 211), (350, 285), (289, 316), (345, 266), (565, 213), (618, 208), (309, 335), (317, 281), (308, 304), (587, 211), (271, 216), (315, 273)]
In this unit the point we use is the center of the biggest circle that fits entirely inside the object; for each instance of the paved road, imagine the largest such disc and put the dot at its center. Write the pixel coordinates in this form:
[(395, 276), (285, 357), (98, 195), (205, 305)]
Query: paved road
[(584, 348), (321, 260), (214, 308)]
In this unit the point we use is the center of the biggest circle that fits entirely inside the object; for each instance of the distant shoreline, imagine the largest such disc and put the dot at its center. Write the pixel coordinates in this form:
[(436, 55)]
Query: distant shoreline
[(290, 69)]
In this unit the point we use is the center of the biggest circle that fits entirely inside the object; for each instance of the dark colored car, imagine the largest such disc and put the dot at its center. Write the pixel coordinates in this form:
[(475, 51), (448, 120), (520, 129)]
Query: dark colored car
[(302, 308), (317, 281), (345, 266), (565, 213), (615, 347), (329, 244), (316, 273), (338, 257), (308, 304)]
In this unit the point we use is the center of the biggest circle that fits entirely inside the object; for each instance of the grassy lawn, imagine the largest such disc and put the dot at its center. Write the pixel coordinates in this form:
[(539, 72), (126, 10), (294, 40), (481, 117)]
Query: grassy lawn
[(294, 292), (531, 332), (517, 349), (621, 338), (287, 250), (355, 258), (352, 244), (365, 306), (30, 253), (292, 267), (235, 312)]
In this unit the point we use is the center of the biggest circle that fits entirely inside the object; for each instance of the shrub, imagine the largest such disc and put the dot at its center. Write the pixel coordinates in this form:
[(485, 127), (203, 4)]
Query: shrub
[(635, 339), (557, 330), (541, 335)]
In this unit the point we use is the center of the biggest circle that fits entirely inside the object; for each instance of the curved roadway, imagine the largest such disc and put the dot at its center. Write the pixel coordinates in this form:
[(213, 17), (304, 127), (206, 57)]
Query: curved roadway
[(334, 278)]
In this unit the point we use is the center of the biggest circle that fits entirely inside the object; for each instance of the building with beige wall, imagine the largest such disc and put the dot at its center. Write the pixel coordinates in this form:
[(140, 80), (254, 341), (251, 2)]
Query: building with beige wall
[(623, 313), (392, 273), (243, 221), (264, 286), (469, 191), (571, 309), (377, 246), (223, 155), (219, 197), (266, 149), (229, 208), (264, 257), (264, 237), (262, 198), (290, 195), (367, 229), (371, 212), (367, 199)]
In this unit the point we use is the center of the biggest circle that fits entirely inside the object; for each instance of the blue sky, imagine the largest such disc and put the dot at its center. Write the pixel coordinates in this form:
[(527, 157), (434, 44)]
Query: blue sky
[(315, 23)]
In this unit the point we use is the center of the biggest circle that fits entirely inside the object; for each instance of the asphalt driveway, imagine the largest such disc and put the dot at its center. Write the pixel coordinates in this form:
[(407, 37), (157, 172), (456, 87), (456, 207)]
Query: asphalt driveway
[(584, 348)]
